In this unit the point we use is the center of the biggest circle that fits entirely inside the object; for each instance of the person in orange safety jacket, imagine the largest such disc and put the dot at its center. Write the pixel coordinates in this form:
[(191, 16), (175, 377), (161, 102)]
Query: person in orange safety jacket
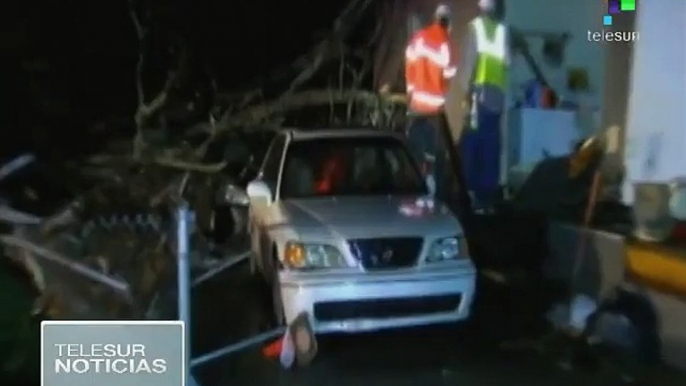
[(429, 64), (428, 69)]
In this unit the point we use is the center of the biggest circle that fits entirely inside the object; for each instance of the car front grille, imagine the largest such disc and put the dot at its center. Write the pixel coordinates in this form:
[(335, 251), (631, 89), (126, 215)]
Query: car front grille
[(386, 308), (385, 253)]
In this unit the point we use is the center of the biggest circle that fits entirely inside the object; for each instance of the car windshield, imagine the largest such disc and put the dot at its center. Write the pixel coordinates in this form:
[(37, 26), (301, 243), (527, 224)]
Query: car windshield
[(349, 166)]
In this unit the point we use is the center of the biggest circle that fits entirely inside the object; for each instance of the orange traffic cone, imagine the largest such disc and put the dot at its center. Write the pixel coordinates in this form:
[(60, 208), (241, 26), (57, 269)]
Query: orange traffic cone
[(273, 350), (297, 345)]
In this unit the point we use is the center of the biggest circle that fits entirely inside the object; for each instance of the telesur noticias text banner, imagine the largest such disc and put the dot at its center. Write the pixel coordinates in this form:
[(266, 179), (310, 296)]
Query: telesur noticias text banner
[(112, 353)]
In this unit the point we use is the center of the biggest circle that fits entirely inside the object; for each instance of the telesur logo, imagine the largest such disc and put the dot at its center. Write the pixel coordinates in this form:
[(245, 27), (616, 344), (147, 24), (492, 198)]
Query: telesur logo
[(112, 353), (614, 8), (106, 358)]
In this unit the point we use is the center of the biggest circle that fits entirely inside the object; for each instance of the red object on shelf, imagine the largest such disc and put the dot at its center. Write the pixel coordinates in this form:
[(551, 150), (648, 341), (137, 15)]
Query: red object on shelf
[(273, 350), (548, 98)]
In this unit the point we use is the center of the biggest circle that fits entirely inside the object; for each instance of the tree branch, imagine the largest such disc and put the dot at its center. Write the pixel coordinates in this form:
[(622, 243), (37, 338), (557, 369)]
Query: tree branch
[(260, 113), (342, 26), (310, 63), (141, 33), (190, 166)]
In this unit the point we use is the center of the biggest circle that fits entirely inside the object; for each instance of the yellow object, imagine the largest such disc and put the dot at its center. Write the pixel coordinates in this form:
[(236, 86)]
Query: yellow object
[(491, 67), (660, 267), (295, 255), (577, 79), (584, 157)]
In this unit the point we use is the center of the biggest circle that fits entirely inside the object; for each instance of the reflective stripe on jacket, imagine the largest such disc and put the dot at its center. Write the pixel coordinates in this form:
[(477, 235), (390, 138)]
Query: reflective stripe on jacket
[(491, 42), (428, 66)]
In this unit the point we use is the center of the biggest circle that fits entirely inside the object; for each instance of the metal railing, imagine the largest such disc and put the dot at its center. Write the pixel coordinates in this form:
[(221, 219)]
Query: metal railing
[(183, 219)]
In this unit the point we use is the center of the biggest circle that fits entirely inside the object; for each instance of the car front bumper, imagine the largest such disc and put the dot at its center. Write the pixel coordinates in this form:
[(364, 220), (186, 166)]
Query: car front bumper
[(355, 301)]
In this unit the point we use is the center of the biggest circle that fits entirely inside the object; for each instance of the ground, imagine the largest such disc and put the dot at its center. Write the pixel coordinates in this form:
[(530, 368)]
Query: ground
[(19, 333), (442, 355), (225, 312)]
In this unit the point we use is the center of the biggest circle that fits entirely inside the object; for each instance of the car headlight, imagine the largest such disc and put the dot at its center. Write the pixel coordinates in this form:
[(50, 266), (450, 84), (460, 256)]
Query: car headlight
[(449, 248), (305, 256)]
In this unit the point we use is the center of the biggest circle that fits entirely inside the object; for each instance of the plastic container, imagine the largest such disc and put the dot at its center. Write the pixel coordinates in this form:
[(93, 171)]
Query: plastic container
[(677, 201), (653, 221)]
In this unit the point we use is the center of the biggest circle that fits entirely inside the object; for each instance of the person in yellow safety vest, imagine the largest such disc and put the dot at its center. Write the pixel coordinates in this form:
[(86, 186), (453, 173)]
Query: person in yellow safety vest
[(484, 74)]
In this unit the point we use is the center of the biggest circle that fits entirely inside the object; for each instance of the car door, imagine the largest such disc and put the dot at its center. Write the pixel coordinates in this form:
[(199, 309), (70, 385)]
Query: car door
[(260, 214)]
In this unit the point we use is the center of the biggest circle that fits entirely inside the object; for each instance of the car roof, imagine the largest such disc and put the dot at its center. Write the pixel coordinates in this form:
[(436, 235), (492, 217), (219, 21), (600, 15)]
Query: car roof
[(299, 134)]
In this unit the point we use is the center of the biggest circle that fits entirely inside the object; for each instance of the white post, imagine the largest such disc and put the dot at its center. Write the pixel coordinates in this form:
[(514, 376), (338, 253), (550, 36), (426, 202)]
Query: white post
[(184, 217)]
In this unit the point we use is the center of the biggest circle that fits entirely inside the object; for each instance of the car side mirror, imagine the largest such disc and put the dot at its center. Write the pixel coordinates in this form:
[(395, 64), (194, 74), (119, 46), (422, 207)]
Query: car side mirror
[(231, 194), (259, 193)]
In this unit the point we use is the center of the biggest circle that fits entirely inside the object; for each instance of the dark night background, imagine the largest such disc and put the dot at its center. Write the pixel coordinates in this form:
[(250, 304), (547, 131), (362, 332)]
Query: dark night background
[(67, 66)]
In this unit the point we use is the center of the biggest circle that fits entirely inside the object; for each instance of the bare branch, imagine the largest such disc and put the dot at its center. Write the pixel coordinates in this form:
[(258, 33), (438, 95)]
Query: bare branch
[(190, 166), (263, 112), (141, 33), (342, 26), (145, 111), (310, 63), (115, 284)]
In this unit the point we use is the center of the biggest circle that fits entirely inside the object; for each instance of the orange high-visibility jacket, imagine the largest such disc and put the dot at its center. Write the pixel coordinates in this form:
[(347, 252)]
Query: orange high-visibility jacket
[(428, 66)]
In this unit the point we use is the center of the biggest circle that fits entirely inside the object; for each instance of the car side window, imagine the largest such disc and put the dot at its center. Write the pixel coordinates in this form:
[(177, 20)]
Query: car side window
[(272, 161)]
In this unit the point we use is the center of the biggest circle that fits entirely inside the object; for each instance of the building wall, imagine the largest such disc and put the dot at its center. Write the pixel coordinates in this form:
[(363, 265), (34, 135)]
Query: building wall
[(656, 134), (574, 17), (618, 70)]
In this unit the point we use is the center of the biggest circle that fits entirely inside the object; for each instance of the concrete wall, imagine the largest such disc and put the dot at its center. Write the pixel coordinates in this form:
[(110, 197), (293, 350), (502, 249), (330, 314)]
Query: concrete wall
[(656, 132), (602, 269), (672, 311), (618, 70)]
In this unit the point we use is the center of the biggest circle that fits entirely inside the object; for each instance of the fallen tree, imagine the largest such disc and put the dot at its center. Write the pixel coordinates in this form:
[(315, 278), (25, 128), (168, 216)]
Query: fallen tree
[(107, 254)]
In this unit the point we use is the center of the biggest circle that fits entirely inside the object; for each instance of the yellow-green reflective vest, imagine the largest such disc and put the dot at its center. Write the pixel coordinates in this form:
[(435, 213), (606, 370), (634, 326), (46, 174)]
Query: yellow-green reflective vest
[(491, 67)]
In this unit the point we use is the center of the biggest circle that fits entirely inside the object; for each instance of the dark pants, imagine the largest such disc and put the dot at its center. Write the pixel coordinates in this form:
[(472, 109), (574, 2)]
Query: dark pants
[(481, 157), (426, 141)]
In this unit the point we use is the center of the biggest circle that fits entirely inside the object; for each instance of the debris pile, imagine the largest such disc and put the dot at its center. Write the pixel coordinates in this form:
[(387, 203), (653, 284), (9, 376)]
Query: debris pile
[(107, 254)]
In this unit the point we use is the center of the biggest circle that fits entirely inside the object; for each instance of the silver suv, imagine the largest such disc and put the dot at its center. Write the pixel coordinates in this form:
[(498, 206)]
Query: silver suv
[(342, 228)]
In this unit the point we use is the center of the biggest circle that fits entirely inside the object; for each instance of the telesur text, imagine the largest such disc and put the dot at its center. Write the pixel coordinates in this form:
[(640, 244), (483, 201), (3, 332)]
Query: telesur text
[(612, 36), (106, 358)]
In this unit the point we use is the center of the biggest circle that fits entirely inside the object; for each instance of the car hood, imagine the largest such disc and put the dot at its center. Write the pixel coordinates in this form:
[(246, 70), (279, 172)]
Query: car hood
[(366, 217)]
